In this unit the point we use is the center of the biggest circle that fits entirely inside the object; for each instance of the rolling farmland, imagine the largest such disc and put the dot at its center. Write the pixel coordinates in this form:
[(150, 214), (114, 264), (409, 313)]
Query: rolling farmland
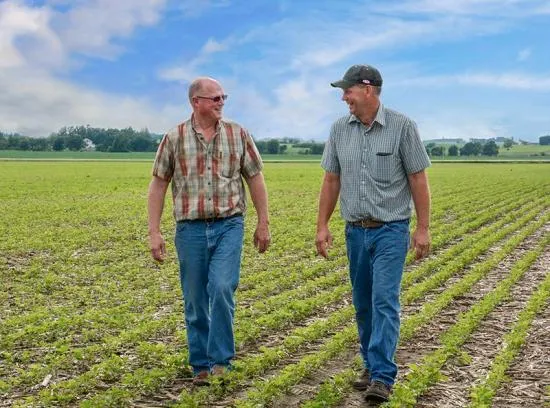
[(88, 319)]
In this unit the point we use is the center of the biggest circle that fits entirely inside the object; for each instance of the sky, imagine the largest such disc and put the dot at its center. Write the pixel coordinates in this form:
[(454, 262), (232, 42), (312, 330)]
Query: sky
[(459, 69)]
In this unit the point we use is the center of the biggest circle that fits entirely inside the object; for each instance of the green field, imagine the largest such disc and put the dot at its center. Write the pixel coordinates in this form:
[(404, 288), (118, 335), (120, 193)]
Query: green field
[(131, 156), (518, 152), (88, 319)]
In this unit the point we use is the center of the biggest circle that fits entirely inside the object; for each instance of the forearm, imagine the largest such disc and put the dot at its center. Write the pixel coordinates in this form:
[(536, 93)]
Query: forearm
[(421, 197), (258, 193), (328, 197), (155, 203)]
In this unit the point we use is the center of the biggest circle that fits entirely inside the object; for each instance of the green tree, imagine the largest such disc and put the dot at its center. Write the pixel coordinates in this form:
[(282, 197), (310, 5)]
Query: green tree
[(429, 148), (544, 140), (317, 148), (490, 149), (438, 151), (74, 142), (3, 142), (508, 143), (58, 144), (471, 149), (273, 146), (453, 150), (121, 143), (261, 145), (141, 143), (39, 144)]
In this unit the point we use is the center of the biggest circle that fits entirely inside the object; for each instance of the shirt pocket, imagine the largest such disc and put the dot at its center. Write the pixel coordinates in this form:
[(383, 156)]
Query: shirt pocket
[(383, 166), (230, 164)]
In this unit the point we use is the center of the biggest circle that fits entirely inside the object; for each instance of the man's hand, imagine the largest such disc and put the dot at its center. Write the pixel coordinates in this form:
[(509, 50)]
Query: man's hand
[(262, 237), (323, 241), (158, 246), (420, 242)]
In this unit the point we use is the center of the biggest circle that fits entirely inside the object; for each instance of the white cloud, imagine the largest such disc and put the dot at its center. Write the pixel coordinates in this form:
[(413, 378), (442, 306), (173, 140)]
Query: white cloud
[(35, 104), (196, 8), (524, 54), (41, 44), (37, 41), (185, 72), (212, 46), (489, 8), (91, 26), (520, 81)]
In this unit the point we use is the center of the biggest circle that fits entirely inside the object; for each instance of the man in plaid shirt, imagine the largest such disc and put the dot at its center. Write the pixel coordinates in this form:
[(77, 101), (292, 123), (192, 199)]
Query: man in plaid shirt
[(206, 159)]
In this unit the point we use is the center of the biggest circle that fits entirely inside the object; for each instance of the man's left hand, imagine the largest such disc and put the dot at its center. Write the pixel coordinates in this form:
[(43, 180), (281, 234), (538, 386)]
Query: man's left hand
[(420, 242), (262, 238)]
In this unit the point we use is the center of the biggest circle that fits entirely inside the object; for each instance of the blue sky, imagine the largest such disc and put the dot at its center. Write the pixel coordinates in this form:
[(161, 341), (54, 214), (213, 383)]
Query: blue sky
[(470, 68)]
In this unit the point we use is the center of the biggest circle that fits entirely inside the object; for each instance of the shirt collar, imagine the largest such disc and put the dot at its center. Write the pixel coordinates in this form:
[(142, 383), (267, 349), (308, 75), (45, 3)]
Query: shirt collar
[(380, 116), (192, 123)]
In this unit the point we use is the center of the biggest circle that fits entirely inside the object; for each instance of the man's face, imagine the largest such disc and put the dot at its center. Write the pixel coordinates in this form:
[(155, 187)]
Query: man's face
[(209, 100), (357, 98)]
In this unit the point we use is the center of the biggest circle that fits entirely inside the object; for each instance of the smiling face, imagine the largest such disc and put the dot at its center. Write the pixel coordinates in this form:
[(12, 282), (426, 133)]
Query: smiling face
[(358, 98), (202, 100)]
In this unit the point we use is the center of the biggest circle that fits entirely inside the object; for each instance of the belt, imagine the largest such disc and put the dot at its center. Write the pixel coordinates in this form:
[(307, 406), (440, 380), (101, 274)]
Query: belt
[(210, 220), (367, 223)]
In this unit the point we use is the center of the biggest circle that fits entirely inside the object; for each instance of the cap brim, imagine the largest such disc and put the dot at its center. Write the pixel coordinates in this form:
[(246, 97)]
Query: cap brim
[(342, 84)]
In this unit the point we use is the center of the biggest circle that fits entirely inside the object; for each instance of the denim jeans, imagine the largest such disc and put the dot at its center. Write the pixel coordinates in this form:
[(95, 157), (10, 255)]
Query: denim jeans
[(376, 258), (209, 254)]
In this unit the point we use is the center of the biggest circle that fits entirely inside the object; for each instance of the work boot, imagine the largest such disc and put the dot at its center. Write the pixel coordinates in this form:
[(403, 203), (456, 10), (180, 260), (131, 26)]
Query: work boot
[(378, 392), (363, 381)]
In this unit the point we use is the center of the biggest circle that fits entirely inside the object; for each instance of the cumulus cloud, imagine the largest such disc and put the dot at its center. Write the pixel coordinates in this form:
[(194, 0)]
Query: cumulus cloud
[(35, 104), (31, 26), (92, 26), (39, 42)]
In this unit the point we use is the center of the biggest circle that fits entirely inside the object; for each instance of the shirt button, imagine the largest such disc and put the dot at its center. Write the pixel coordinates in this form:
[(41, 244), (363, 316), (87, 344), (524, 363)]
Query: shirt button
[(209, 168)]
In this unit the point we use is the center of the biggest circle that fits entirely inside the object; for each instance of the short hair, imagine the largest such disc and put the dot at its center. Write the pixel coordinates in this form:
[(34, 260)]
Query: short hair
[(195, 87), (197, 84), (377, 89)]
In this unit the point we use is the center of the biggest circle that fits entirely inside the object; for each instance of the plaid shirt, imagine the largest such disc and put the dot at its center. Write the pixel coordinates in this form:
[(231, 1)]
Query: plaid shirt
[(206, 177)]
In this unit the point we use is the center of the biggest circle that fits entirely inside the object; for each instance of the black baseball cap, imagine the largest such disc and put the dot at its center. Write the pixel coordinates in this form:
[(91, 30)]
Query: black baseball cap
[(359, 74)]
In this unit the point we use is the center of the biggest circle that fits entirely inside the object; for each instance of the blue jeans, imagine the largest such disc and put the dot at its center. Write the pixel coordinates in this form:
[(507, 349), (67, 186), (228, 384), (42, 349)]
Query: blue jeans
[(376, 258), (209, 254)]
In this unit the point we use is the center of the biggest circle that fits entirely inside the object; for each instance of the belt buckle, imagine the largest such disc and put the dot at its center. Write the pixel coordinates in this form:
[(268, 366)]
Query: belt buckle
[(370, 223)]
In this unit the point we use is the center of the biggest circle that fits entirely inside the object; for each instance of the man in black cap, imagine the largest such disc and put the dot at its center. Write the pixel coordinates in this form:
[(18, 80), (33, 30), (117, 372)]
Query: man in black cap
[(375, 161)]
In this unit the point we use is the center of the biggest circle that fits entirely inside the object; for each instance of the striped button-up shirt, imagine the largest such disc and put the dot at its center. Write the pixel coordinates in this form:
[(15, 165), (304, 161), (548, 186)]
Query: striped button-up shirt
[(373, 164), (206, 177)]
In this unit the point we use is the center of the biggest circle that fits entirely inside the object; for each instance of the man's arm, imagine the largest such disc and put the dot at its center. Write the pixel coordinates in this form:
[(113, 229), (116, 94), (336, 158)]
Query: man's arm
[(330, 189), (155, 205), (258, 193), (420, 191)]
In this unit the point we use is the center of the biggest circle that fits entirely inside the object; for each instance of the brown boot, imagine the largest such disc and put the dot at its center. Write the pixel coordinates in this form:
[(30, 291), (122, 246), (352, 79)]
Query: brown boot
[(201, 378), (378, 392), (363, 381)]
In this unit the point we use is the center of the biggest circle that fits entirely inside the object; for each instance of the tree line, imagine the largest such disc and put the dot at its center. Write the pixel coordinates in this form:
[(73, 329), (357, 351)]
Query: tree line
[(78, 138), (489, 148)]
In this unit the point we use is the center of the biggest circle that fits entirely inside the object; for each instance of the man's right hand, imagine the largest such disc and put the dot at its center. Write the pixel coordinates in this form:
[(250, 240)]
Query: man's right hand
[(158, 246), (323, 241)]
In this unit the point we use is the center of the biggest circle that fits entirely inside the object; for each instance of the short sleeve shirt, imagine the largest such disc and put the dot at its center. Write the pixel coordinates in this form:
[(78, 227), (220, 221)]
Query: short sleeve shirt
[(206, 178), (373, 164)]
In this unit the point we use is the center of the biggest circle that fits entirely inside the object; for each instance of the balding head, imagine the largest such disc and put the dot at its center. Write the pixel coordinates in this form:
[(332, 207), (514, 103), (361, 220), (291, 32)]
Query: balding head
[(198, 84)]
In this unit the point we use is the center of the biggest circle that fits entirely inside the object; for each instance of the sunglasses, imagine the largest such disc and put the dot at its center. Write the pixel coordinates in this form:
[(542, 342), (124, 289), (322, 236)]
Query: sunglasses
[(213, 98)]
